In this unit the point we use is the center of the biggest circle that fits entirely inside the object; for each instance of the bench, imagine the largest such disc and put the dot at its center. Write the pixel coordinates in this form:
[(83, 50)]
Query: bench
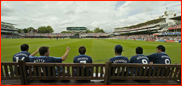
[(40, 73), (44, 73), (11, 74), (160, 74)]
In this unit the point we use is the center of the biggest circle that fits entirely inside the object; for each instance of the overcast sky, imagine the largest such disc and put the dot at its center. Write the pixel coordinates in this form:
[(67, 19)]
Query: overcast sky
[(103, 14)]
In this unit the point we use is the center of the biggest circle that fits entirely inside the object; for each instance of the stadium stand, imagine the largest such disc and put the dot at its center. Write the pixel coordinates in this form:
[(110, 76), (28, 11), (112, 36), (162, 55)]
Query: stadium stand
[(94, 35), (164, 29), (8, 30), (161, 73)]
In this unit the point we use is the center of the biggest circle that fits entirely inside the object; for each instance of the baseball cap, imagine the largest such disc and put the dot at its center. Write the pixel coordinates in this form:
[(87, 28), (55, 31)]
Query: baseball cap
[(118, 48)]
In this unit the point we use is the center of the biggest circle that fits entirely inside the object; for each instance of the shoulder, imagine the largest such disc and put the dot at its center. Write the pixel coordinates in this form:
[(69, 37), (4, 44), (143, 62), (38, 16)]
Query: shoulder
[(133, 57), (76, 56), (126, 58), (88, 56), (111, 59), (15, 54), (28, 53), (153, 54)]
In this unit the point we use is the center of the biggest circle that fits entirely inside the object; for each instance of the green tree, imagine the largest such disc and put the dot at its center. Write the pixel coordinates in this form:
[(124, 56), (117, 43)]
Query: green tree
[(41, 29), (30, 29), (19, 30), (98, 30), (66, 32), (25, 30), (63, 32), (49, 29), (44, 29), (89, 31), (102, 31)]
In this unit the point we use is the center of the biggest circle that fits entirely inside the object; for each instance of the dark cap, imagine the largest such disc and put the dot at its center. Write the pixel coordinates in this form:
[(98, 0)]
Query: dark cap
[(118, 48)]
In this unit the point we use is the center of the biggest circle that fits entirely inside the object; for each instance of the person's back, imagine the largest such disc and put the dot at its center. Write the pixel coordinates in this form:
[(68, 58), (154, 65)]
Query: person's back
[(160, 57), (140, 59), (45, 58), (118, 58), (82, 58), (23, 55)]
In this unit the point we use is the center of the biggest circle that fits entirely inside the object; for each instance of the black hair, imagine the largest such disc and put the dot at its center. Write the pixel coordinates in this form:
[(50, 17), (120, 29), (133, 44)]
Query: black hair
[(118, 51), (82, 50), (139, 50), (24, 47), (43, 50), (161, 47)]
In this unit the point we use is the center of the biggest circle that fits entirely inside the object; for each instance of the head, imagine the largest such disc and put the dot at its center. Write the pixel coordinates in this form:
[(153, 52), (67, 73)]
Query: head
[(139, 50), (160, 49), (118, 49), (82, 50), (24, 47), (44, 51)]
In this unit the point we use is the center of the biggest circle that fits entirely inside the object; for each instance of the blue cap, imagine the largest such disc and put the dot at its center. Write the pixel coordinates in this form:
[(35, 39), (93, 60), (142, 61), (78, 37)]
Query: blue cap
[(118, 48)]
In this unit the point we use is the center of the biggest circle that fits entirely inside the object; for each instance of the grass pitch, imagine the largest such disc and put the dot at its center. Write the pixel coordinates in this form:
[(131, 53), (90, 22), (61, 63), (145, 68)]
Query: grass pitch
[(98, 49)]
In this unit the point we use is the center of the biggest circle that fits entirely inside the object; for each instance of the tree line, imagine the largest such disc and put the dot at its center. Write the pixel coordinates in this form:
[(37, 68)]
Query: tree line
[(49, 29), (42, 29)]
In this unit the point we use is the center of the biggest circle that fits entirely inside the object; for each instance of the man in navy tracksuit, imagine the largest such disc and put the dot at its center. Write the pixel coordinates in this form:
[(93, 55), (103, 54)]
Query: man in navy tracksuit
[(45, 58), (22, 55), (118, 58), (160, 57), (139, 58), (82, 58)]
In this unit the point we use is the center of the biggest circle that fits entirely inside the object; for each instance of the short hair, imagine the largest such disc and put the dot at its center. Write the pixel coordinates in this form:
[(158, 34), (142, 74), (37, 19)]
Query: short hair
[(82, 50), (24, 47), (139, 50), (161, 47), (43, 50)]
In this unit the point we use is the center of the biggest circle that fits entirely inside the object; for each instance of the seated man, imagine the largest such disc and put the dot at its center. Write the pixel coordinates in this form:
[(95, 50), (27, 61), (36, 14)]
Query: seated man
[(139, 58), (22, 55), (160, 57), (82, 58), (45, 58), (118, 58)]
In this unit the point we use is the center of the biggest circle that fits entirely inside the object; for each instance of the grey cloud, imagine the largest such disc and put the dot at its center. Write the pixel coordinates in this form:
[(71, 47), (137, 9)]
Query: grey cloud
[(60, 14)]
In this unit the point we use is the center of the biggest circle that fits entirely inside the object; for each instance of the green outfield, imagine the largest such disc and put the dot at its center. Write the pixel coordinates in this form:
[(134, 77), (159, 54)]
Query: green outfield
[(98, 49)]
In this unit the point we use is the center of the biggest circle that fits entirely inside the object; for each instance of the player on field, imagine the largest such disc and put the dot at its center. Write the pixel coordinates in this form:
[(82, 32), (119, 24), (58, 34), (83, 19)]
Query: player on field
[(23, 54), (139, 58), (45, 58), (118, 58), (160, 57), (82, 58)]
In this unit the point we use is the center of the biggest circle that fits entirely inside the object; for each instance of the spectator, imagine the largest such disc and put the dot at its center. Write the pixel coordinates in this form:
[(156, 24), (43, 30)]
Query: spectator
[(45, 58), (23, 54), (160, 57), (118, 58), (82, 58), (139, 58)]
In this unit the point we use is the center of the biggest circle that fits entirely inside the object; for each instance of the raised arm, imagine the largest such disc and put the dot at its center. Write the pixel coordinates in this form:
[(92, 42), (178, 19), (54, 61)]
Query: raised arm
[(33, 54), (65, 54)]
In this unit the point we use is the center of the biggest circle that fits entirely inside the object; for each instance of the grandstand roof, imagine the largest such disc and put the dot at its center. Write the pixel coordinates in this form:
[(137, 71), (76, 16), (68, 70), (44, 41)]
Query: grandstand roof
[(176, 18), (145, 23), (7, 23)]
